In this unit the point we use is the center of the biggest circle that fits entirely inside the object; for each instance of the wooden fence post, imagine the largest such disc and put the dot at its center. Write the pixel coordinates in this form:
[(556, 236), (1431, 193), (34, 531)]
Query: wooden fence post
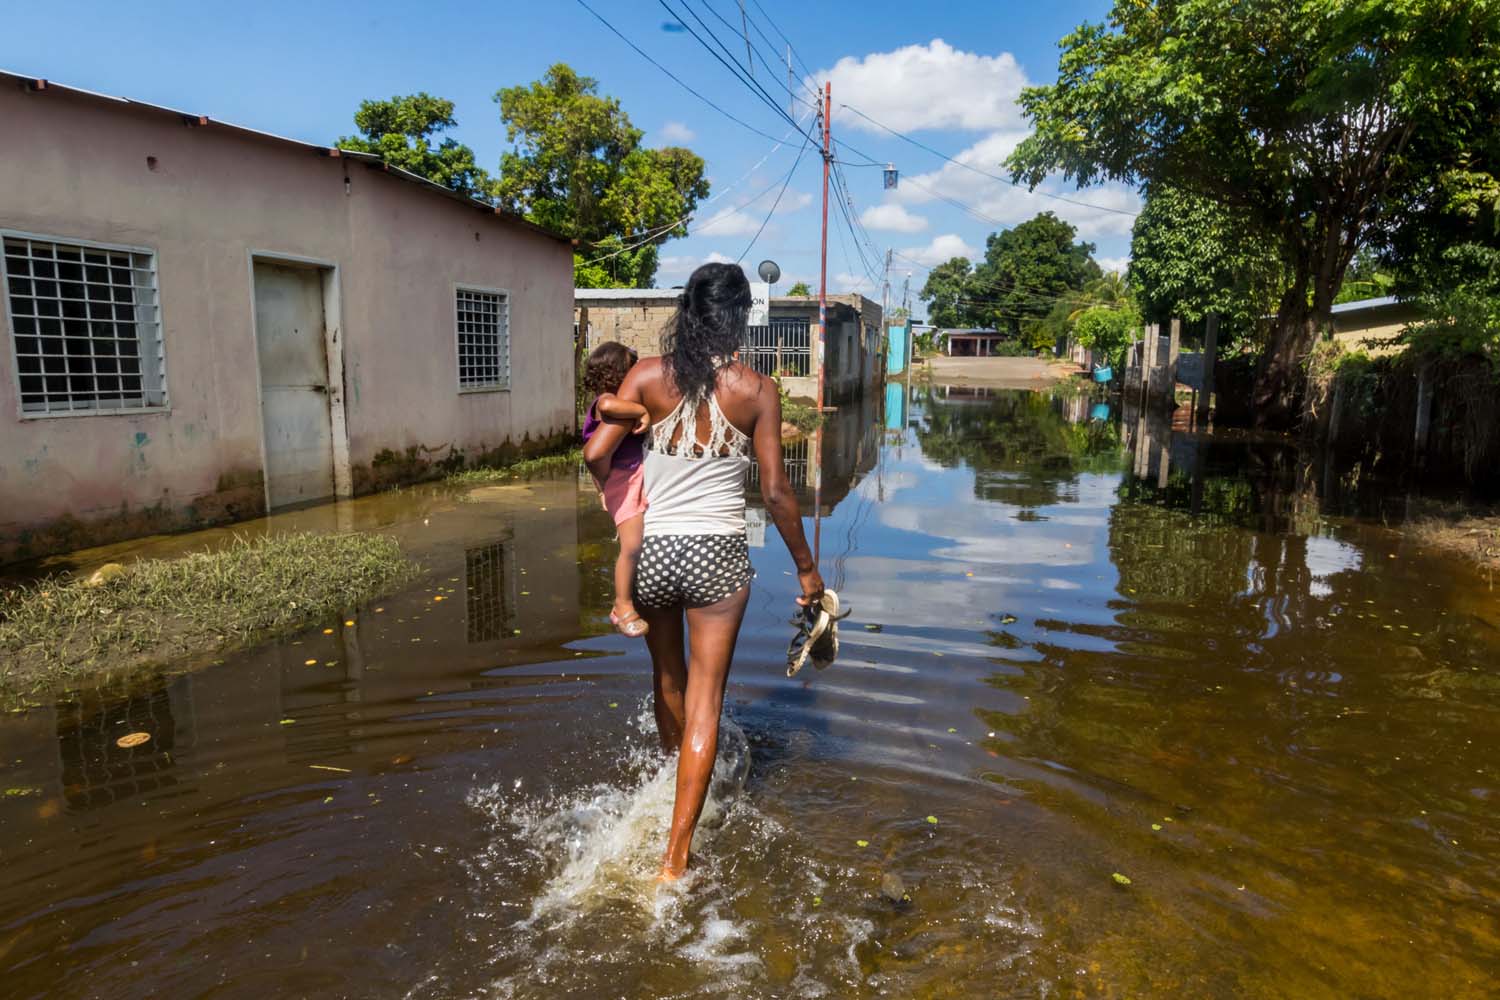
[(1424, 414), (1206, 376)]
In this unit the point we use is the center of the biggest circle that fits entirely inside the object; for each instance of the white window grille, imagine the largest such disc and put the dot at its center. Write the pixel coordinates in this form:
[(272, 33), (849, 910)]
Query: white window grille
[(85, 323), (483, 319)]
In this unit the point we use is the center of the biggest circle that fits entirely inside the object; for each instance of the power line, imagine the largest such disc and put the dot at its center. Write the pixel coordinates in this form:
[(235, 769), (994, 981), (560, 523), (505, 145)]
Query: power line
[(984, 173), (655, 232), (774, 204), (756, 49), (675, 78), (754, 87)]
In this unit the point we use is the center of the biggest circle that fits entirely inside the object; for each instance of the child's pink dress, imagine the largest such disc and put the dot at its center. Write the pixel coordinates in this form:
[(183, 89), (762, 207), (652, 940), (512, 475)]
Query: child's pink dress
[(624, 489)]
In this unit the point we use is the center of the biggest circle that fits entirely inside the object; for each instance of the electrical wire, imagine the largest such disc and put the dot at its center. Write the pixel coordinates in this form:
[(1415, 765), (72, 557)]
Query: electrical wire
[(775, 74), (774, 204), (675, 78), (984, 173)]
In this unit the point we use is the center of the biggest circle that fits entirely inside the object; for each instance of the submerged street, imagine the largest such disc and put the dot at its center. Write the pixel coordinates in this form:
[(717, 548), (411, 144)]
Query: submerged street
[(1098, 728)]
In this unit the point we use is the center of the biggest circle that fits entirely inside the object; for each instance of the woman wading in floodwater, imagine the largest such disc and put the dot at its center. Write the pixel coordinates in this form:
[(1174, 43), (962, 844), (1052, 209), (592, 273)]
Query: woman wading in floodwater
[(707, 412)]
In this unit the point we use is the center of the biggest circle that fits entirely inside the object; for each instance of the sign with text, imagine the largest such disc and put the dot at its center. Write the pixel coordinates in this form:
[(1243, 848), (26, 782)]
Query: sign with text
[(760, 303)]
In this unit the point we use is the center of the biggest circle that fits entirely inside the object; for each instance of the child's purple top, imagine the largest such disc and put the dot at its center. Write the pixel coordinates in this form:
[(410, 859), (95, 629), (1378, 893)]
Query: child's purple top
[(631, 451)]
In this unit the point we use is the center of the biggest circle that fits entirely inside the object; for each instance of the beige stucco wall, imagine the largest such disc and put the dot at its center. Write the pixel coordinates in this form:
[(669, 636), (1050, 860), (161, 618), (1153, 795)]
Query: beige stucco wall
[(77, 168), (1351, 330)]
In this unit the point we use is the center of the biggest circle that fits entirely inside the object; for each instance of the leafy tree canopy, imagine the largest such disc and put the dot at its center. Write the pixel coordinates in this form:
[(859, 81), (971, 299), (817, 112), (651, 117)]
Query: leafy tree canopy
[(1029, 270), (1191, 256), (1297, 114), (578, 167), (401, 130), (947, 294), (800, 288)]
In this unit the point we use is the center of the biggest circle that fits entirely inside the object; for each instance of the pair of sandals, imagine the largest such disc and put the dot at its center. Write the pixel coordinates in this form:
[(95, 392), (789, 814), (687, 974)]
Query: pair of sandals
[(817, 637)]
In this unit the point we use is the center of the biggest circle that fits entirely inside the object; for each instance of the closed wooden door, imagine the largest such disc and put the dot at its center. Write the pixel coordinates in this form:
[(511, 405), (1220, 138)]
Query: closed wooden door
[(293, 356)]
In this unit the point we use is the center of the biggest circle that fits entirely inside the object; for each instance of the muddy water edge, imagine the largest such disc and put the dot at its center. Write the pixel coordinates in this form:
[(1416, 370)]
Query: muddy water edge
[(1120, 713)]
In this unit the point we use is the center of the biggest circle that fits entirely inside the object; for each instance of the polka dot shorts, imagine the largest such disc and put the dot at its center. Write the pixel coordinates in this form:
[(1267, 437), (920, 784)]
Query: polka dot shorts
[(691, 571)]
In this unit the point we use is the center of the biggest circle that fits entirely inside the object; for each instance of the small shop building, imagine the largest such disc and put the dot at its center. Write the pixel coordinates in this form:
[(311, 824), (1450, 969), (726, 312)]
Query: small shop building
[(203, 322)]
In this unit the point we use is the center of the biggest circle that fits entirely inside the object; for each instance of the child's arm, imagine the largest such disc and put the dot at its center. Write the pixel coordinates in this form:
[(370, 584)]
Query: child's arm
[(612, 407)]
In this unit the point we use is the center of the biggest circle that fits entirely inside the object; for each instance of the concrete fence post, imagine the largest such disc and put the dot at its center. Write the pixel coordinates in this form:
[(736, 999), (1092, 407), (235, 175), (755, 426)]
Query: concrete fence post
[(1206, 376), (1424, 414)]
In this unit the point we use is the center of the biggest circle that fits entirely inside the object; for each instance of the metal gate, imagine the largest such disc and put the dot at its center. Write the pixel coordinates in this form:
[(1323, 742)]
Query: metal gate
[(781, 347)]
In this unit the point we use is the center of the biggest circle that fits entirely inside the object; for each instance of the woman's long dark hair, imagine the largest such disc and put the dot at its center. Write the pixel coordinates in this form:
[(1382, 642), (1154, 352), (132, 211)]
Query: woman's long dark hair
[(708, 328)]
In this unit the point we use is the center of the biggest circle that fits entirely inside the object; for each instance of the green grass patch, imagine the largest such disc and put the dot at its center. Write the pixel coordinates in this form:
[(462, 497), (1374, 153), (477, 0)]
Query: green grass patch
[(58, 633), (564, 461)]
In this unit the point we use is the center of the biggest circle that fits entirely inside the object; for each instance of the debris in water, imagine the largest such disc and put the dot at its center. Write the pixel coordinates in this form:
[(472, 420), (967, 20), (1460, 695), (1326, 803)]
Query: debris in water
[(952, 730), (132, 740), (330, 767), (437, 597), (861, 843), (1007, 619), (817, 900), (21, 793), (287, 722), (309, 663), (894, 889), (328, 800), (872, 627), (614, 704), (932, 820), (1156, 826), (349, 623), (104, 574), (328, 631), (1120, 879)]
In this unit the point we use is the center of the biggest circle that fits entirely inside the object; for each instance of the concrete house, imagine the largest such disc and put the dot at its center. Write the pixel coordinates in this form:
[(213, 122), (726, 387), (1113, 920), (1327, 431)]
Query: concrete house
[(203, 322), (785, 347)]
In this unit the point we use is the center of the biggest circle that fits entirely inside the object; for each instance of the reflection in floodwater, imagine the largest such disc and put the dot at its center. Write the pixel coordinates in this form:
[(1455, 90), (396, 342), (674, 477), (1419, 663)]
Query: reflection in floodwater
[(490, 591), (1087, 648)]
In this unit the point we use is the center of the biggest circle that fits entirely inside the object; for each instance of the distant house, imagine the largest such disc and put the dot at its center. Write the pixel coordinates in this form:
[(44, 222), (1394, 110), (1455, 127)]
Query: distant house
[(1371, 319), (203, 322), (785, 347), (970, 343)]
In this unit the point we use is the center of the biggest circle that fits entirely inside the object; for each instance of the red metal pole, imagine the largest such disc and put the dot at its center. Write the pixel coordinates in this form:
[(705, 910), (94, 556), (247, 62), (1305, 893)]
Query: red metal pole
[(822, 323)]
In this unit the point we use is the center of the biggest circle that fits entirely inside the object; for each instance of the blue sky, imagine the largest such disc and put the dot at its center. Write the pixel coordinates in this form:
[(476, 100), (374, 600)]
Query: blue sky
[(947, 73)]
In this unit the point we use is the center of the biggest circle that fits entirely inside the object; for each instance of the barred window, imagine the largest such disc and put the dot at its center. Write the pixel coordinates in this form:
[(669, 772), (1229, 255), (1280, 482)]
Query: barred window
[(483, 339), (85, 326)]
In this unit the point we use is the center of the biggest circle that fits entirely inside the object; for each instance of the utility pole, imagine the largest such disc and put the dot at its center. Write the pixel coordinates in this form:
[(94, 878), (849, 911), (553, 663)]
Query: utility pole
[(822, 318), (885, 291)]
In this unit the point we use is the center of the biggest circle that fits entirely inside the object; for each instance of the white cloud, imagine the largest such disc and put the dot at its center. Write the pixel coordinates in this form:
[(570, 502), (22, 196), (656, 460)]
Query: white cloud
[(674, 270), (744, 219), (1109, 264), (1004, 204), (677, 132), (941, 249), (893, 218), (927, 87)]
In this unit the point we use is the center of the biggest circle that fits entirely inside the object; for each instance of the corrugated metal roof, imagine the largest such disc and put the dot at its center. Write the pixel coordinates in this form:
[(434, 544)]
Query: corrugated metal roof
[(1362, 304), (41, 86)]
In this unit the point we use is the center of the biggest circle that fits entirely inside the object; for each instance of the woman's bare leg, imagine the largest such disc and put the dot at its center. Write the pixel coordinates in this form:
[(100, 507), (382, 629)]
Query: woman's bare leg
[(712, 632), (668, 674)]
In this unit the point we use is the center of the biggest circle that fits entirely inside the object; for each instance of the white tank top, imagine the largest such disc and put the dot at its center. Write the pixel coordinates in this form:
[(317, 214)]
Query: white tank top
[(696, 488)]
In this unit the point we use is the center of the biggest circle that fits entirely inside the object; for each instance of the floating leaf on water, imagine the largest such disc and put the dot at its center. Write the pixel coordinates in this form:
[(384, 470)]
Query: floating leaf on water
[(614, 704), (287, 722), (952, 730), (438, 597), (21, 793), (872, 627), (132, 740), (328, 631), (328, 800), (349, 623), (1007, 619), (309, 663), (861, 843), (1156, 826), (932, 820), (1120, 879), (817, 900)]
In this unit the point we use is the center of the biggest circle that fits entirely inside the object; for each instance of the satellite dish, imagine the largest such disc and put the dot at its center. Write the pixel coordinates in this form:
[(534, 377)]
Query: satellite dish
[(769, 272)]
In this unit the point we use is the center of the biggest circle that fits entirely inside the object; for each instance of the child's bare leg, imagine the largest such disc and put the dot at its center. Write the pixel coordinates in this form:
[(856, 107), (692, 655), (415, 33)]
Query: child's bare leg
[(632, 533)]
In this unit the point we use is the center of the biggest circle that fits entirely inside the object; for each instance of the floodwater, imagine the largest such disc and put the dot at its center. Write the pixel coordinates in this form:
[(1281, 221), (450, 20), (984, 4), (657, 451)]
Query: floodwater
[(1114, 720)]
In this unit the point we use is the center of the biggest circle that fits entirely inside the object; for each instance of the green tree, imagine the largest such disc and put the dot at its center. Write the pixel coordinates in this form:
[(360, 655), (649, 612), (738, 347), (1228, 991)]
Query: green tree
[(1030, 270), (578, 167), (1297, 115), (1191, 256), (400, 131), (947, 292), (1107, 331), (800, 288)]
